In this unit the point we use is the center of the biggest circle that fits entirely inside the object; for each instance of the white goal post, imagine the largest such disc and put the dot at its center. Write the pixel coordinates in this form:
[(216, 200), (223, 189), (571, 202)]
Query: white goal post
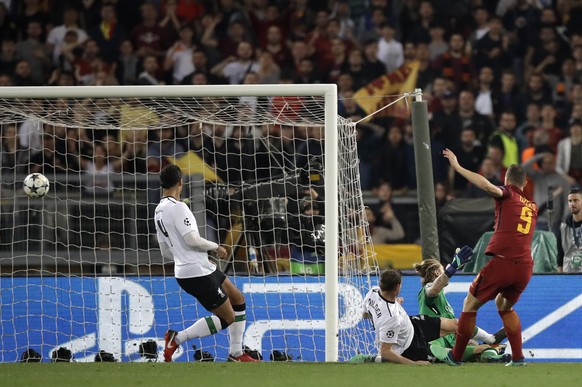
[(342, 222)]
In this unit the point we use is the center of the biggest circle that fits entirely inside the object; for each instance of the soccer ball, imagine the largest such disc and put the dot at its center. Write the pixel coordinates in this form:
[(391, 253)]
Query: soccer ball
[(36, 185)]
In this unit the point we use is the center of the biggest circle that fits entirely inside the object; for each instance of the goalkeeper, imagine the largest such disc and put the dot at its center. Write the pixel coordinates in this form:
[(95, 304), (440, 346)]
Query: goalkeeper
[(432, 301), (180, 241)]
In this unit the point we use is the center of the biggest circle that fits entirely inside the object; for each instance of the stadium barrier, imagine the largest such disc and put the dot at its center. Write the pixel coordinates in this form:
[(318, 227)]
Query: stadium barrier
[(118, 314)]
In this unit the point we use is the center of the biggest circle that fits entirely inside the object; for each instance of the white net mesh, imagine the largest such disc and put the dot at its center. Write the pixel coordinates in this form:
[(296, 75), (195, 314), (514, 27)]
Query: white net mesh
[(81, 268)]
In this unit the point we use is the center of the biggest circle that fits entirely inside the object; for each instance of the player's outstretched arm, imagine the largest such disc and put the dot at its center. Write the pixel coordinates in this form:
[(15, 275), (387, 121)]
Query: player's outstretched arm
[(474, 178)]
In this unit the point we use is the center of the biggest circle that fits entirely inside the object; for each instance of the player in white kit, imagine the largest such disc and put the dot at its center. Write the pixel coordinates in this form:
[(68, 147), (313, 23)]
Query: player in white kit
[(180, 241), (402, 339)]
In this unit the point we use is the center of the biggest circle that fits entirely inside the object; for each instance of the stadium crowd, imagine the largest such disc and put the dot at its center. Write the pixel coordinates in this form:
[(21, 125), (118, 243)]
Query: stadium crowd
[(502, 78)]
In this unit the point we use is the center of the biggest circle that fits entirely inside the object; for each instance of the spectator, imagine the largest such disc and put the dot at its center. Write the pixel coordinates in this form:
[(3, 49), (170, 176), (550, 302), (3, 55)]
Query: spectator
[(420, 31), (108, 33), (186, 11), (28, 11), (569, 236), (372, 65), (7, 25), (392, 166), (126, 69), (6, 80), (495, 153), (484, 99), (98, 171), (504, 139), (339, 60), (220, 48), (149, 75), (548, 52), (548, 181), (135, 151), (390, 51), (200, 143), (569, 160), (179, 56), (369, 26), (275, 45), (34, 51), (342, 13), (56, 36), (470, 154), (236, 68), (441, 195), (13, 158), (269, 72), (454, 64), (524, 132), (148, 37), (446, 126), (508, 96), (171, 23), (23, 74), (70, 50), (491, 173), (437, 46), (426, 72), (536, 91), (493, 49), (163, 149), (49, 161), (548, 125), (356, 68), (300, 20), (8, 56), (298, 53), (263, 19), (387, 227)]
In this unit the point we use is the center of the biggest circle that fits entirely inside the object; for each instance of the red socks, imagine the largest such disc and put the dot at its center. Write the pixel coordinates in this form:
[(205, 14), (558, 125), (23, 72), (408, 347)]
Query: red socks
[(512, 327), (465, 329)]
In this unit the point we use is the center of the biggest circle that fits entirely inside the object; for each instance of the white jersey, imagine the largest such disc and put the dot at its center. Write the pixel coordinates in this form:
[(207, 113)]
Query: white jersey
[(173, 220), (391, 322)]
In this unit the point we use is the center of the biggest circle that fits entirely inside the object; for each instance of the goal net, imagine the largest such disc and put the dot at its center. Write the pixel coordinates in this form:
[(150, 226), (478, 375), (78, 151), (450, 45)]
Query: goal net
[(270, 172)]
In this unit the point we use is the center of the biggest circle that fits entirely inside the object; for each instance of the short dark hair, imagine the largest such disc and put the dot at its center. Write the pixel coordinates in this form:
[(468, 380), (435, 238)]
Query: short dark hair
[(516, 175), (170, 176), (574, 191), (390, 279)]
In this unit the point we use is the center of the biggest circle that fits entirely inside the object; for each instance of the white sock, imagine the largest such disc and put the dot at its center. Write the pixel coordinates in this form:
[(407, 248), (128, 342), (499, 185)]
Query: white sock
[(482, 335), (235, 333), (201, 328)]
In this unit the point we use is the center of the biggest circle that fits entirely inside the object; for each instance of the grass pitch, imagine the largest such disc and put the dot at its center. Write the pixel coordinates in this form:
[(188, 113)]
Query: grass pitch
[(286, 374)]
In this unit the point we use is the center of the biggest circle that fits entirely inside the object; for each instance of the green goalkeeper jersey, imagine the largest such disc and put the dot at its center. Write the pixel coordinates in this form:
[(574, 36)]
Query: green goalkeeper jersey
[(434, 306), (437, 307)]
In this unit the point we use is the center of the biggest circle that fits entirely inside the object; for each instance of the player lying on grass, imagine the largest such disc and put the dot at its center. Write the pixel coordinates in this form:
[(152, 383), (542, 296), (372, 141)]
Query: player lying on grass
[(403, 339), (180, 241), (432, 301)]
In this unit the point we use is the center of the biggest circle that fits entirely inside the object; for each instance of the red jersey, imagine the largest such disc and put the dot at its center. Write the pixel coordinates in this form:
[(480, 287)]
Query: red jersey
[(516, 216)]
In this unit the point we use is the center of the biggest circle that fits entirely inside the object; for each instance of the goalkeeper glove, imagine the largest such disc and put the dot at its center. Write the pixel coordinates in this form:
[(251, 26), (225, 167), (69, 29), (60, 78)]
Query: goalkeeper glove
[(462, 256)]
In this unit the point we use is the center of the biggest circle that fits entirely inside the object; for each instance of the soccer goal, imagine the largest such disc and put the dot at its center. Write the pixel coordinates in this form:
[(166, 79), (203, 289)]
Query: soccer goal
[(271, 173)]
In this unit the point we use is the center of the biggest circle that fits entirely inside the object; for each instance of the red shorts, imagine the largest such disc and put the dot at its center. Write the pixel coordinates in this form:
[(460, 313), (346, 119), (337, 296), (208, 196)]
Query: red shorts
[(501, 275)]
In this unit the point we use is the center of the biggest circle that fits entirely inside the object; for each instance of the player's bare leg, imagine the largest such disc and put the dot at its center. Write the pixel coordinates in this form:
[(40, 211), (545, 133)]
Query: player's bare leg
[(237, 328), (512, 326)]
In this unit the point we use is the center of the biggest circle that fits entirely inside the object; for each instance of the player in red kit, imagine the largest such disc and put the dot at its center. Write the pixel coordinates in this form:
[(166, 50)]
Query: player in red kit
[(508, 272)]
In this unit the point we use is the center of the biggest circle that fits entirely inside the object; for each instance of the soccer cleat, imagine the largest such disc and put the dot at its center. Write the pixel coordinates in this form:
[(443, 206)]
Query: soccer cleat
[(170, 345), (504, 358), (361, 358), (244, 358), (499, 336), (516, 363)]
